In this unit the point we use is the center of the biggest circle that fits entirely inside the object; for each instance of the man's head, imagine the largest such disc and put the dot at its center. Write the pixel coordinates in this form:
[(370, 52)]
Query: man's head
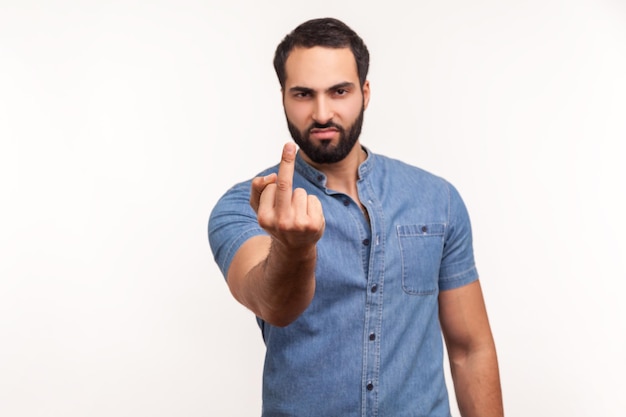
[(322, 67), (328, 33)]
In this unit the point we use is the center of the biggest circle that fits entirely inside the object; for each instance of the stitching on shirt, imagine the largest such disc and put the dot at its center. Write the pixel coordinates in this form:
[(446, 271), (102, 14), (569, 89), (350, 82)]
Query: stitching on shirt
[(459, 275), (230, 252)]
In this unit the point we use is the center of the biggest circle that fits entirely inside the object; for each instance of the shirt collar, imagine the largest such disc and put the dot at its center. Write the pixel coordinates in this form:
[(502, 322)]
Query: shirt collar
[(319, 178)]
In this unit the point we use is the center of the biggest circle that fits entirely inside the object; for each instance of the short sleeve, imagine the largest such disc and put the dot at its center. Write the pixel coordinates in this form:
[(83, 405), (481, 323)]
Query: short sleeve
[(457, 264), (231, 223)]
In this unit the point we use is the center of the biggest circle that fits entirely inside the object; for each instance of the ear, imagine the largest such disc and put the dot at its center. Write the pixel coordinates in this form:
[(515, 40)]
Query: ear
[(366, 93)]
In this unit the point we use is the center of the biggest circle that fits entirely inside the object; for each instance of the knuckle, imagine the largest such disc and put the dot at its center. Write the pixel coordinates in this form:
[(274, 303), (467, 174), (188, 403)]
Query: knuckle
[(266, 217), (283, 185), (301, 224), (263, 218), (284, 223)]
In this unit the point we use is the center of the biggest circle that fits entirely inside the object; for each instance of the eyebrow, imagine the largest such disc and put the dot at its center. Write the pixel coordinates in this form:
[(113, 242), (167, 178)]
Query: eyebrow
[(298, 89)]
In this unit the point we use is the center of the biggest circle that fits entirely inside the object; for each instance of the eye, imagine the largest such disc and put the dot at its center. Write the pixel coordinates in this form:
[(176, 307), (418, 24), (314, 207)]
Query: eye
[(302, 94), (341, 92)]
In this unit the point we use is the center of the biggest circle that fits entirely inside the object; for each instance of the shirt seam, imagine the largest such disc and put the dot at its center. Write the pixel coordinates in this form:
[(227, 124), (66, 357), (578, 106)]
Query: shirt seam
[(236, 244)]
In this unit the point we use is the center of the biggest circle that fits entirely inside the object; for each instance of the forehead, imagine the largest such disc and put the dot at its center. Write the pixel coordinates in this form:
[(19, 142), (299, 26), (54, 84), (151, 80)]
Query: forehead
[(320, 67)]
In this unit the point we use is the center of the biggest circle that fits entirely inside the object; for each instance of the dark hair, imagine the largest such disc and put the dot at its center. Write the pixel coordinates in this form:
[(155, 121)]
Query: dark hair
[(327, 32)]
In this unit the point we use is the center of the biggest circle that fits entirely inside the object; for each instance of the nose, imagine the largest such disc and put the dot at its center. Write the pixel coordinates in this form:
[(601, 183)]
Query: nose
[(322, 113)]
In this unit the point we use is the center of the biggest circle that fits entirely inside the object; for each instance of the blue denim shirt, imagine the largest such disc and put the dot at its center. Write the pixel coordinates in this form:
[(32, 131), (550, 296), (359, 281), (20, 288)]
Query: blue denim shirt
[(370, 342)]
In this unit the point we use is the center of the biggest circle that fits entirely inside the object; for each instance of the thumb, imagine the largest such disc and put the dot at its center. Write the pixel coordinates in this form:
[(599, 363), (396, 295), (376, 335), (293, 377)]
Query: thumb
[(257, 187)]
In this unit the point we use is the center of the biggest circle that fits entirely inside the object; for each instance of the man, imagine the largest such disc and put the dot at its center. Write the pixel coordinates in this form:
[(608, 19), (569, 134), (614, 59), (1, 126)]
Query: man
[(353, 263)]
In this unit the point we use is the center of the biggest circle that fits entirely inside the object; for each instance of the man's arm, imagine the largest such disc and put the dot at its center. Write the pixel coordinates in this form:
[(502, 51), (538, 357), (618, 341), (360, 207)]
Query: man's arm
[(471, 351), (274, 276)]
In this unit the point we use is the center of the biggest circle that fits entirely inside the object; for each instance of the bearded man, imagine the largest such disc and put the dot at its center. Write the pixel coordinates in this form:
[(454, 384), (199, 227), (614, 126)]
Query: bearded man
[(354, 264)]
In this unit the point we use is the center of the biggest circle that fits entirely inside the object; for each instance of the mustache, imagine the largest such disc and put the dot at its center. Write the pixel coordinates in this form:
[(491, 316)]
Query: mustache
[(326, 125)]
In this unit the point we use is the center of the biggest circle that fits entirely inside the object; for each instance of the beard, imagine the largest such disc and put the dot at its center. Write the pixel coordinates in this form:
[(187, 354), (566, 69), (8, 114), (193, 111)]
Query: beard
[(325, 153)]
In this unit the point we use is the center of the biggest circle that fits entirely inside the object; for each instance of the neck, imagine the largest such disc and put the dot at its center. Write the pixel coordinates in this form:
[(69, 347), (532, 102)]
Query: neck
[(343, 175)]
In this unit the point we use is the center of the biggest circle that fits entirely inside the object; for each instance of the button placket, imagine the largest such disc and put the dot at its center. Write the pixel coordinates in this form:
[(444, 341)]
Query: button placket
[(373, 301)]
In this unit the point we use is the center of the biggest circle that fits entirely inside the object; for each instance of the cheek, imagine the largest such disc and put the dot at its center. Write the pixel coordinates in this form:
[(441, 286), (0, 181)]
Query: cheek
[(351, 110), (297, 114)]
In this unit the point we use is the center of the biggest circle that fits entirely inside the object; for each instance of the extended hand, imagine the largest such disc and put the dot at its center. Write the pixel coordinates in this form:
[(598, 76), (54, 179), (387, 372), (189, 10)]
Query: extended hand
[(292, 218)]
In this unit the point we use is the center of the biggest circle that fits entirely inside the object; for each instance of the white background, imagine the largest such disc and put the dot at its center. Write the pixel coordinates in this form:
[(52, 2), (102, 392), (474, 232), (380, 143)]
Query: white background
[(122, 122)]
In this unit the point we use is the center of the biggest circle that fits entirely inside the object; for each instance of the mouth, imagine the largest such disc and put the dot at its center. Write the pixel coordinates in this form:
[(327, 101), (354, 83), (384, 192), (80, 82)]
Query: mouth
[(323, 134)]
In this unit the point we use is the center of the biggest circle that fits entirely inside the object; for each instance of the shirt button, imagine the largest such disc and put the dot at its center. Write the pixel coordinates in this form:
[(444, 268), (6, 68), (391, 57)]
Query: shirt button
[(424, 229), (370, 386), (374, 288), (320, 178), (372, 336), (366, 242), (346, 202)]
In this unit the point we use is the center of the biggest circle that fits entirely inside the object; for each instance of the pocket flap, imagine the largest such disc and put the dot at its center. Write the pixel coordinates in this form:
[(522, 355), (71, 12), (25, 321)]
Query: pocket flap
[(425, 229)]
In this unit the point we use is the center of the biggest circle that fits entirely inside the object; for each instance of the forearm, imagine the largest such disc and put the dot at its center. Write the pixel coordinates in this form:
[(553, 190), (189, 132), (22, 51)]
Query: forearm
[(275, 276), (281, 287), (477, 382)]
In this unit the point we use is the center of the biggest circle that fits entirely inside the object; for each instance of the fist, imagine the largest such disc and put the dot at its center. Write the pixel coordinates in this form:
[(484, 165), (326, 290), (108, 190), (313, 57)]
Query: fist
[(292, 217)]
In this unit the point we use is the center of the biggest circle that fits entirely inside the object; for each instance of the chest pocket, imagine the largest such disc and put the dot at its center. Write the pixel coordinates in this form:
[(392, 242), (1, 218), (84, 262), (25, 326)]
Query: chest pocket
[(421, 249)]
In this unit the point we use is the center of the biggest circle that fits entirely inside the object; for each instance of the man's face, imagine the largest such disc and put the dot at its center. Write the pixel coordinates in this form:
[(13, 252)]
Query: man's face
[(324, 102)]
